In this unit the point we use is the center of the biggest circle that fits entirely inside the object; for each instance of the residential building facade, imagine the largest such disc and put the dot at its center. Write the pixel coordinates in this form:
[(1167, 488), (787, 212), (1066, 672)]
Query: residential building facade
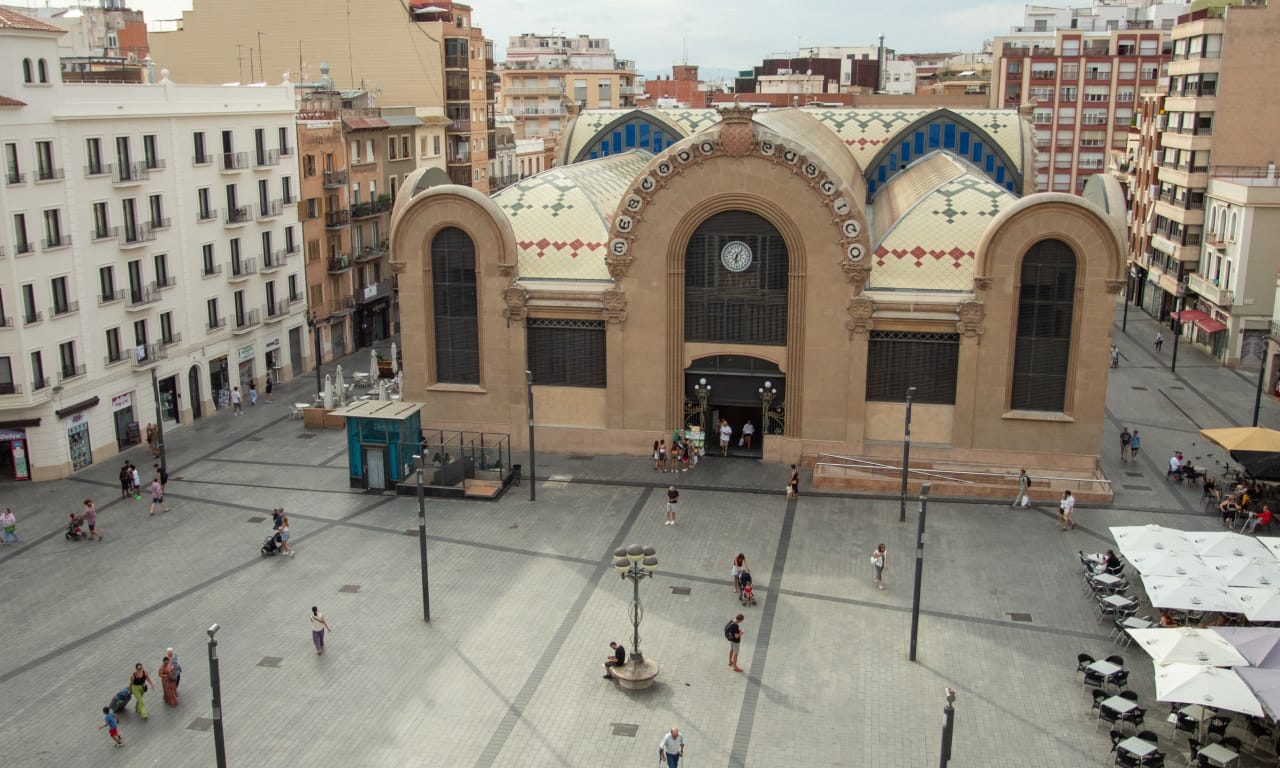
[(1083, 70), (147, 238), (543, 74)]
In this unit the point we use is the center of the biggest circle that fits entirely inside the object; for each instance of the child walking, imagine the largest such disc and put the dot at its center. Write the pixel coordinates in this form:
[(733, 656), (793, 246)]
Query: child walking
[(111, 726)]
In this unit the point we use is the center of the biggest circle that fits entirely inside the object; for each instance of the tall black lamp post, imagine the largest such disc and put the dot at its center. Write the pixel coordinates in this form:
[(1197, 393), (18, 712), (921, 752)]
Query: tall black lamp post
[(533, 483), (215, 682), (422, 539), (1177, 326), (1262, 376), (915, 592), (313, 322), (155, 391), (906, 458)]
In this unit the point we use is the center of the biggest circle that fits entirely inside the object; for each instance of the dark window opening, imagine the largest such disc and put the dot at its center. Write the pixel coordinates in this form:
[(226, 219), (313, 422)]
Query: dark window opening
[(567, 353), (747, 306), (898, 360), (1046, 302), (457, 330)]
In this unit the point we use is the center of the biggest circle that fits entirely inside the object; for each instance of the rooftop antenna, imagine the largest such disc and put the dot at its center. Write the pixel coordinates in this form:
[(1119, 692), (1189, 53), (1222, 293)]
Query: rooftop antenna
[(684, 42)]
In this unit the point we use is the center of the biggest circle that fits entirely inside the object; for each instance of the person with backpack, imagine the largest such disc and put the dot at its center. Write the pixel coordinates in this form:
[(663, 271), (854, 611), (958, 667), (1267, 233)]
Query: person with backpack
[(733, 633), (163, 474)]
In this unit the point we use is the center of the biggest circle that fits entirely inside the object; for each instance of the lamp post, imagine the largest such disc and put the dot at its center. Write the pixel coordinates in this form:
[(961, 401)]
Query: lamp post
[(1262, 375), (767, 393), (313, 322), (702, 390), (215, 682), (635, 563), (533, 483), (422, 539), (915, 592), (948, 724), (155, 391), (1177, 326), (906, 457), (1128, 296)]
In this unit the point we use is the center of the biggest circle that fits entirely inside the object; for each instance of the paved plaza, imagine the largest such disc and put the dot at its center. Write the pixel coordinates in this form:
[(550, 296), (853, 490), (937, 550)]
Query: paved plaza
[(524, 602)]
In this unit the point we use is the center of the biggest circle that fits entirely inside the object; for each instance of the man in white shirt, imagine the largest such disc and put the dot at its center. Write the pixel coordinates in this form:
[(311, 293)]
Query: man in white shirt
[(1065, 508), (671, 748), (1175, 464), (726, 434)]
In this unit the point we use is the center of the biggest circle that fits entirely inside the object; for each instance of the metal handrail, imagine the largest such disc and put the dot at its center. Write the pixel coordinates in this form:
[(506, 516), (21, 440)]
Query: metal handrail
[(851, 462)]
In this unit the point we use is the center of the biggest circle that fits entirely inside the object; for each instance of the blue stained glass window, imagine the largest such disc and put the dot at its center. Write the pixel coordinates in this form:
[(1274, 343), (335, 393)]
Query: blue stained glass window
[(935, 135), (617, 141), (919, 142), (991, 163), (659, 142), (631, 135), (905, 152), (977, 151), (949, 135), (644, 134), (999, 173), (964, 143)]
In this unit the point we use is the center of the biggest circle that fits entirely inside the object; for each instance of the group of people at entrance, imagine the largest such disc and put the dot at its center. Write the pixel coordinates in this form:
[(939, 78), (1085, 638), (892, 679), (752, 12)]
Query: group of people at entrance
[(726, 435)]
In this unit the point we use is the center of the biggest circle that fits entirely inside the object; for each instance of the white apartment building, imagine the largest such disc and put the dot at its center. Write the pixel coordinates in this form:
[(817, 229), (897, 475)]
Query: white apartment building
[(145, 231), (899, 76)]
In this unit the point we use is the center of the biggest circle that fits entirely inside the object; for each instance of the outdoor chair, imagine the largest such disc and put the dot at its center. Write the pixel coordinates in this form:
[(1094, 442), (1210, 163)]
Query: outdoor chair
[(1217, 727), (1125, 760), (1257, 729), (1117, 660), (1106, 609), (1130, 695), (1231, 742), (1098, 695), (1149, 736), (1120, 632), (1095, 679), (1134, 717), (1108, 717), (1119, 679), (1116, 738), (1154, 760), (1195, 746), (1083, 660), (1185, 724)]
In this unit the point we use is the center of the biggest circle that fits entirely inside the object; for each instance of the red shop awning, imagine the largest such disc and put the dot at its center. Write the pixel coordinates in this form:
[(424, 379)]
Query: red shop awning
[(1189, 315), (1209, 325)]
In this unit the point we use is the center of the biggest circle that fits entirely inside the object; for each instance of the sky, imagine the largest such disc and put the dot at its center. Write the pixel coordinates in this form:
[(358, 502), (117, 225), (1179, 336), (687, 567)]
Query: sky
[(720, 37)]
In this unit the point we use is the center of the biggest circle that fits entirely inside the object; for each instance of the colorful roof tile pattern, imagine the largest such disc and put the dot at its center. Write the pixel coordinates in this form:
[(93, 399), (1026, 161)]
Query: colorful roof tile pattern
[(561, 217), (928, 220)]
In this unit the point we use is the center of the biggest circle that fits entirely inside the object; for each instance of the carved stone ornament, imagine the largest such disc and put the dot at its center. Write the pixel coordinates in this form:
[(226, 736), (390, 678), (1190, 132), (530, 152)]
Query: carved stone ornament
[(618, 263), (398, 267), (517, 300), (738, 138), (860, 309), (1115, 286), (972, 314), (855, 272), (981, 283), (615, 305), (507, 270)]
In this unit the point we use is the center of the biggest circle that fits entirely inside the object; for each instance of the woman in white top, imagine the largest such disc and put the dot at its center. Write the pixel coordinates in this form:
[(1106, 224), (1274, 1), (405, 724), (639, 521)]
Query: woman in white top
[(739, 566), (318, 626)]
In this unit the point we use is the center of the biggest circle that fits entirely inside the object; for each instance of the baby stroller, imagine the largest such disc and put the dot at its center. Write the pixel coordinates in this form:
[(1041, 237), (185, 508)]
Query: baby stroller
[(74, 533), (746, 595), (120, 700), (271, 546)]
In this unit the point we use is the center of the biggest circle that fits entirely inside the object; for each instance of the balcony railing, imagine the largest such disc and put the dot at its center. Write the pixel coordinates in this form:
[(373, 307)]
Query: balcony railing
[(286, 151), (38, 384), (273, 260), (111, 298), (378, 290), (66, 308), (265, 158), (141, 296), (230, 162), (10, 388), (6, 321), (116, 356), (237, 216), (247, 320), (243, 268), (31, 318), (215, 323), (132, 237), (343, 306), (70, 372), (373, 208), (148, 354), (129, 173), (271, 209), (13, 178), (370, 253), (206, 214), (336, 178), (1275, 331), (203, 158), (168, 281), (1209, 289), (277, 311), (47, 173), (105, 233), (337, 219), (24, 247), (153, 163), (160, 223), (61, 241), (171, 339), (209, 270), (339, 264)]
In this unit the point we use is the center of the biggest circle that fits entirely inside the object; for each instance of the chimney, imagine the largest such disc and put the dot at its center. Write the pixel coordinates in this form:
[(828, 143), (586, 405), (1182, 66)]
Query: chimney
[(880, 56)]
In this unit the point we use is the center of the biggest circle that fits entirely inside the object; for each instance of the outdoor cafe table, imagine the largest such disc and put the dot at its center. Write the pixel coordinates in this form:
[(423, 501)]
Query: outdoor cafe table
[(1118, 601), (1137, 747), (1133, 622), (1120, 705), (1104, 668), (1219, 755), (1106, 579)]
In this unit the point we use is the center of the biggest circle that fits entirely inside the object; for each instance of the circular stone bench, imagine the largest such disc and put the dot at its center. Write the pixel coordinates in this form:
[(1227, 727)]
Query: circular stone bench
[(635, 674)]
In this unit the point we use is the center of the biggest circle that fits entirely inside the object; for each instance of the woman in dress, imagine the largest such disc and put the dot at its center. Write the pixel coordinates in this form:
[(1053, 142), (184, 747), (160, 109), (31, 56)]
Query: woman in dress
[(284, 536), (168, 682), (793, 485), (139, 682), (739, 565), (879, 559), (655, 456)]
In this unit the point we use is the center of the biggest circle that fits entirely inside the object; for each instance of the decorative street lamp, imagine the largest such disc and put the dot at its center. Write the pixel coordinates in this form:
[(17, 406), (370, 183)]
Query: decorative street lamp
[(906, 458), (636, 563), (767, 393), (703, 392)]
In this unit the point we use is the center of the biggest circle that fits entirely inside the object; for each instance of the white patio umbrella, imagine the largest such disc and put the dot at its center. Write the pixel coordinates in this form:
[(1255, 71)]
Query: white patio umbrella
[(328, 391), (1187, 645), (373, 366), (1260, 646), (1272, 543), (1184, 593), (1228, 544), (1208, 686), (1258, 604), (340, 386), (1165, 563), (1147, 538), (395, 361), (382, 389), (1261, 573), (1265, 685)]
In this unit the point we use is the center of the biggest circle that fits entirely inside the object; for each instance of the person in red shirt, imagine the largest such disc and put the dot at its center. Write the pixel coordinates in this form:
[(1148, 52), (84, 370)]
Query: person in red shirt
[(1262, 519)]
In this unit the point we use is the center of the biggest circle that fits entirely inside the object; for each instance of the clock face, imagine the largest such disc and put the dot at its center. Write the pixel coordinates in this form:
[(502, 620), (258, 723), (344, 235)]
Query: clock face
[(736, 256)]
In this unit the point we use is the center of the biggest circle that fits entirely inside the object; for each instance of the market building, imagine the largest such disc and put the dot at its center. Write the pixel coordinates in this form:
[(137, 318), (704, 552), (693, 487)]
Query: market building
[(801, 268)]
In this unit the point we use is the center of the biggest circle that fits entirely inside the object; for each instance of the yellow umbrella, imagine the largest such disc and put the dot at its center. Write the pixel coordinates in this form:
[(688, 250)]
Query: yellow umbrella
[(1244, 438)]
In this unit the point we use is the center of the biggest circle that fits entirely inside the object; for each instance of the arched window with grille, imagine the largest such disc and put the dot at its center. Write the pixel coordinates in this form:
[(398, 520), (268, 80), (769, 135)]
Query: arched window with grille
[(1046, 304), (453, 300), (735, 288)]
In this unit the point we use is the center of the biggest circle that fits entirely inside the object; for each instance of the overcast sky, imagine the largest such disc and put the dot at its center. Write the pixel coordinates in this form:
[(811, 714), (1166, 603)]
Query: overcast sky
[(720, 36)]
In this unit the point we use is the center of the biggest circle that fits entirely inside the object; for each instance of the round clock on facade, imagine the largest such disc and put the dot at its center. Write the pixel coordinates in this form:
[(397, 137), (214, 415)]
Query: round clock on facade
[(736, 256)]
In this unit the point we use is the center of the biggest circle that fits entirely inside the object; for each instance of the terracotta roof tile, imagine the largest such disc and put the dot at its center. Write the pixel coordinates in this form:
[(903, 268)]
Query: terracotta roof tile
[(11, 19), (5, 101)]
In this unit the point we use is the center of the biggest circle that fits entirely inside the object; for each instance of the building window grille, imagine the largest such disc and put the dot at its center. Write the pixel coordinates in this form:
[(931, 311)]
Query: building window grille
[(567, 353), (745, 307), (1046, 303), (898, 360), (457, 330)]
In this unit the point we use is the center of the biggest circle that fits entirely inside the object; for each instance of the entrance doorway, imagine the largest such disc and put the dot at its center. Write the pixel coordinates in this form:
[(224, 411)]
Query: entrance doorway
[(736, 383), (168, 387), (193, 390)]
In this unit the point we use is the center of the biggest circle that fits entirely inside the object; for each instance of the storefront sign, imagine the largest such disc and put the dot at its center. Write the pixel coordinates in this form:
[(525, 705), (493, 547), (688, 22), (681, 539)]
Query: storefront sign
[(21, 470), (120, 402), (272, 344), (78, 441), (12, 434), (246, 353)]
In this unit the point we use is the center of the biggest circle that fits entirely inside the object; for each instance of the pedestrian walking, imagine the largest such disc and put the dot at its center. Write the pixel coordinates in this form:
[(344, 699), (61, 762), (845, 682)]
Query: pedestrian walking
[(726, 434), (10, 526), (673, 498), (1115, 356), (671, 748), (1065, 508), (1125, 439), (318, 626), (163, 475), (126, 481), (283, 532), (136, 480), (879, 559), (1159, 340), (177, 667), (1023, 499), (733, 633), (151, 439), (793, 485), (91, 519), (168, 682), (138, 685), (253, 393), (157, 497), (269, 388), (236, 409), (112, 726), (1135, 442)]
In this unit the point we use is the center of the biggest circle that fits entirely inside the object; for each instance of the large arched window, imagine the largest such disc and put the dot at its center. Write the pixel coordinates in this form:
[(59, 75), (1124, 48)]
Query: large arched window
[(1046, 301), (453, 295), (735, 287)]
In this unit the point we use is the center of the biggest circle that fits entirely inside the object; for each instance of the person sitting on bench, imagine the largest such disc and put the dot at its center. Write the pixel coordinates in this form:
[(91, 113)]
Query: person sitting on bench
[(616, 659), (1229, 508), (1175, 467)]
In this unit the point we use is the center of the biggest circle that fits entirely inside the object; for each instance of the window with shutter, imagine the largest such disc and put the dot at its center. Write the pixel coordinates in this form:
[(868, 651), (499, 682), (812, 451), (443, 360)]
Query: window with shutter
[(898, 360), (566, 353), (746, 305), (457, 330), (1046, 303)]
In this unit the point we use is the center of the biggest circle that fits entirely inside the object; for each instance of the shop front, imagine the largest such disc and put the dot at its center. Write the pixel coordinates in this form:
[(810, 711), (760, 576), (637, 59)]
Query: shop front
[(169, 413), (220, 381), (272, 350), (244, 356), (78, 444), (13, 455), (126, 426), (295, 350)]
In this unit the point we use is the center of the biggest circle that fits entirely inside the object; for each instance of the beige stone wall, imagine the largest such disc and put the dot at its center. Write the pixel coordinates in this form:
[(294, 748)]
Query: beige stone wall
[(1246, 70)]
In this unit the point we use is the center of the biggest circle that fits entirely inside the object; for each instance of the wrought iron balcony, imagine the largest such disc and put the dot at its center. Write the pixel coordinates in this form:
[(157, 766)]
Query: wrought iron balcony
[(247, 320), (141, 296), (105, 233), (336, 178), (135, 236), (31, 318), (369, 209), (277, 311), (265, 158), (339, 264), (61, 241), (111, 358), (231, 162), (343, 306), (337, 219), (110, 298), (237, 216), (129, 173), (70, 372), (378, 290), (148, 354), (242, 269), (65, 308), (271, 209), (49, 173), (171, 339), (215, 324)]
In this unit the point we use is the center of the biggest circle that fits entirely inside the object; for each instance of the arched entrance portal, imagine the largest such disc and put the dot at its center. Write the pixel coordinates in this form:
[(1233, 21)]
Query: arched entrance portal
[(734, 389), (193, 390)]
